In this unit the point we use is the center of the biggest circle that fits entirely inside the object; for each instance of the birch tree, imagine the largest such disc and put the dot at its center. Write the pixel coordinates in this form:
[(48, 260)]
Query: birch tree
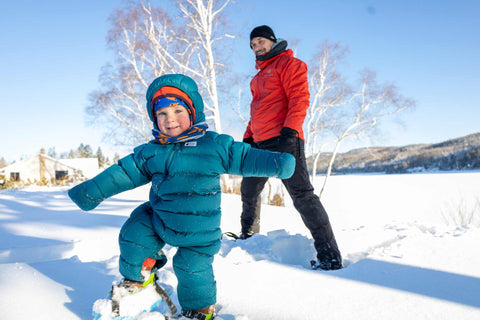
[(240, 105), (328, 91), (205, 19), (139, 37), (148, 42), (366, 108)]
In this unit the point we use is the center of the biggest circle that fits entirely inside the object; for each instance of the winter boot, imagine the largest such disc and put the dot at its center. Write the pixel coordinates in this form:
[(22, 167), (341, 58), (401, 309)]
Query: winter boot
[(130, 287), (328, 257), (134, 286), (203, 314)]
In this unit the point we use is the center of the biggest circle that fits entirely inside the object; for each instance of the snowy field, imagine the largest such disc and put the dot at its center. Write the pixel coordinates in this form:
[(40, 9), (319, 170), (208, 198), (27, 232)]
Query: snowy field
[(410, 250)]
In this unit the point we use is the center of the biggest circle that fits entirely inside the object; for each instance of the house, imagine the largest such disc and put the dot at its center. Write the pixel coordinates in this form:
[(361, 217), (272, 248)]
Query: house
[(41, 167)]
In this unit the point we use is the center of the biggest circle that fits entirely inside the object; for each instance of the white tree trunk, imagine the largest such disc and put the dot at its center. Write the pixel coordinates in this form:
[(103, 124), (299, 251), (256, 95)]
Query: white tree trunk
[(204, 16)]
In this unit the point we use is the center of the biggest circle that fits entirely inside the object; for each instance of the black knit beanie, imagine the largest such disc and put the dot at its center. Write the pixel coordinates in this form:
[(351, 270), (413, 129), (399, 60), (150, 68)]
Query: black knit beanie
[(264, 32)]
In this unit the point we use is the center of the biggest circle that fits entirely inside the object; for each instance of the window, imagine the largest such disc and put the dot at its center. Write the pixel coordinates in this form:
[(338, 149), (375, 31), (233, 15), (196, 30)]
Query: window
[(15, 176), (61, 175)]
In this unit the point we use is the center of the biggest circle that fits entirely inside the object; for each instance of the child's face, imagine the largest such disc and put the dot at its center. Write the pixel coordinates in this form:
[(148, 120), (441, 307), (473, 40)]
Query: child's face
[(173, 120)]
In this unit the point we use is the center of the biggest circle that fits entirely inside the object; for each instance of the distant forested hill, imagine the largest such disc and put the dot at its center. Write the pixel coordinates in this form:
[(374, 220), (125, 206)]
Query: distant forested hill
[(456, 154)]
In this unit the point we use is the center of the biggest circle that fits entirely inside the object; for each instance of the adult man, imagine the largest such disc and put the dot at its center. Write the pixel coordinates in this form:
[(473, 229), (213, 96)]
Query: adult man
[(280, 99)]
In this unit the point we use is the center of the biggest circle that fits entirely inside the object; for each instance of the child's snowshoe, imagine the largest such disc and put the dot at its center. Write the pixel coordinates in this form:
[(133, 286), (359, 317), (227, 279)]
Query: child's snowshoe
[(131, 298), (190, 314), (128, 295)]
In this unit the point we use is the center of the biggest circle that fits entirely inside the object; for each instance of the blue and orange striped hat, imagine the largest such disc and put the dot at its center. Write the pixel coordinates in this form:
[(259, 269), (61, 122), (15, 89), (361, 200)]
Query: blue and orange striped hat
[(171, 96)]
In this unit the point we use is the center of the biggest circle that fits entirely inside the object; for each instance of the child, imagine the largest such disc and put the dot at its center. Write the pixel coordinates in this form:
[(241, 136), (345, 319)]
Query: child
[(184, 163)]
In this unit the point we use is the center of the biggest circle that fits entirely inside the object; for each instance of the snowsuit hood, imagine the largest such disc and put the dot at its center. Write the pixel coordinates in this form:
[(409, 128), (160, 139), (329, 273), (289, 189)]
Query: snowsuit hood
[(179, 81)]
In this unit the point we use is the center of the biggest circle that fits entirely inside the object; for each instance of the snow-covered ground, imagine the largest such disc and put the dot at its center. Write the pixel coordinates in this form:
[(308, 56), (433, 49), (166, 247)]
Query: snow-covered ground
[(405, 258)]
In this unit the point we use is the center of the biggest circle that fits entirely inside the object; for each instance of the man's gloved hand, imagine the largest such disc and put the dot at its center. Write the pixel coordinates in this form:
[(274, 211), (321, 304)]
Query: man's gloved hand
[(249, 140), (288, 141)]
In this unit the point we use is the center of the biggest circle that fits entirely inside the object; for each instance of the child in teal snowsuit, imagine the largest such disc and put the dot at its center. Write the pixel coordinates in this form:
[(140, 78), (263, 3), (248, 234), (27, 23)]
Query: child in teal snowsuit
[(184, 163)]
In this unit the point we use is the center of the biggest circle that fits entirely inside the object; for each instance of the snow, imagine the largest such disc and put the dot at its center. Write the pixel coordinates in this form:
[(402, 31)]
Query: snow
[(407, 253)]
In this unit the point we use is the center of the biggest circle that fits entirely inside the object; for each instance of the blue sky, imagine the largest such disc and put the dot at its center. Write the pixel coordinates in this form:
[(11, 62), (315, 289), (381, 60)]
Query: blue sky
[(51, 54)]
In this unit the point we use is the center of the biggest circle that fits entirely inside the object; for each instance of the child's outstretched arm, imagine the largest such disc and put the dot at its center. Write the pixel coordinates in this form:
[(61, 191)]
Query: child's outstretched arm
[(263, 163), (118, 178), (247, 161)]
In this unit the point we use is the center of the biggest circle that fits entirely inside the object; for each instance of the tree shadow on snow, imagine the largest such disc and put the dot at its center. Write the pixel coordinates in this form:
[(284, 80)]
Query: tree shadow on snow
[(26, 211), (86, 282), (49, 208), (297, 250)]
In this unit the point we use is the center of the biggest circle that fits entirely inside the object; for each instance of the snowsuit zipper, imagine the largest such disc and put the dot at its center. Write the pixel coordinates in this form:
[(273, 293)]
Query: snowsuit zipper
[(169, 160)]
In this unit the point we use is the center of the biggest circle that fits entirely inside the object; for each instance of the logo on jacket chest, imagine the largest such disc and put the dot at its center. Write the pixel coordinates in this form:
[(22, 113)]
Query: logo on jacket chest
[(268, 73), (190, 144)]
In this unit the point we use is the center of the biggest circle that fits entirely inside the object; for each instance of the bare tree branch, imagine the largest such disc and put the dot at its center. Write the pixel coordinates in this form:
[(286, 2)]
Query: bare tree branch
[(367, 108), (147, 43)]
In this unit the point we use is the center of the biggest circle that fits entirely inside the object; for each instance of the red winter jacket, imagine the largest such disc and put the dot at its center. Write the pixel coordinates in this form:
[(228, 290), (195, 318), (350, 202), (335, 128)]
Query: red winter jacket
[(280, 97)]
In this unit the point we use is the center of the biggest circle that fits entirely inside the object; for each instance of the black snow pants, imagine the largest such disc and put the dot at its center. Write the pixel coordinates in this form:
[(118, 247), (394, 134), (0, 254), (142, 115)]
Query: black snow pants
[(301, 191)]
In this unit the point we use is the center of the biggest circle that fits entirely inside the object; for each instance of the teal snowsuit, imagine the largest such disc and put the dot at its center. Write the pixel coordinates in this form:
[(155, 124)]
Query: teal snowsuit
[(184, 203)]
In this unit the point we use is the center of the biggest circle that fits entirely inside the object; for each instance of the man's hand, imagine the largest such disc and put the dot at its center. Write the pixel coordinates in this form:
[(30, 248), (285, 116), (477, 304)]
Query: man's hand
[(249, 140), (288, 141)]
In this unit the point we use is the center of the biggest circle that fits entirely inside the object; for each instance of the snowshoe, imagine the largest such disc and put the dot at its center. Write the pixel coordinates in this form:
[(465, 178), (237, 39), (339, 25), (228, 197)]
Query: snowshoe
[(231, 235), (131, 298), (241, 236), (190, 314)]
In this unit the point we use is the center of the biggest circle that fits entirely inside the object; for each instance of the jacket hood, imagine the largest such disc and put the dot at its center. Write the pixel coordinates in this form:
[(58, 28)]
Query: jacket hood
[(179, 81)]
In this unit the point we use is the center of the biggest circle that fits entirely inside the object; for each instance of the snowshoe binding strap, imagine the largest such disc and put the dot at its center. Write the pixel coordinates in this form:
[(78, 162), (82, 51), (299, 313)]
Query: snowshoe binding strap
[(191, 314)]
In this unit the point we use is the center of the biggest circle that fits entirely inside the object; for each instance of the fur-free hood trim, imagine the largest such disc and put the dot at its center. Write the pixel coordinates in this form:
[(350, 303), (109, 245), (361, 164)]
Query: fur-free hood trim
[(182, 82)]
